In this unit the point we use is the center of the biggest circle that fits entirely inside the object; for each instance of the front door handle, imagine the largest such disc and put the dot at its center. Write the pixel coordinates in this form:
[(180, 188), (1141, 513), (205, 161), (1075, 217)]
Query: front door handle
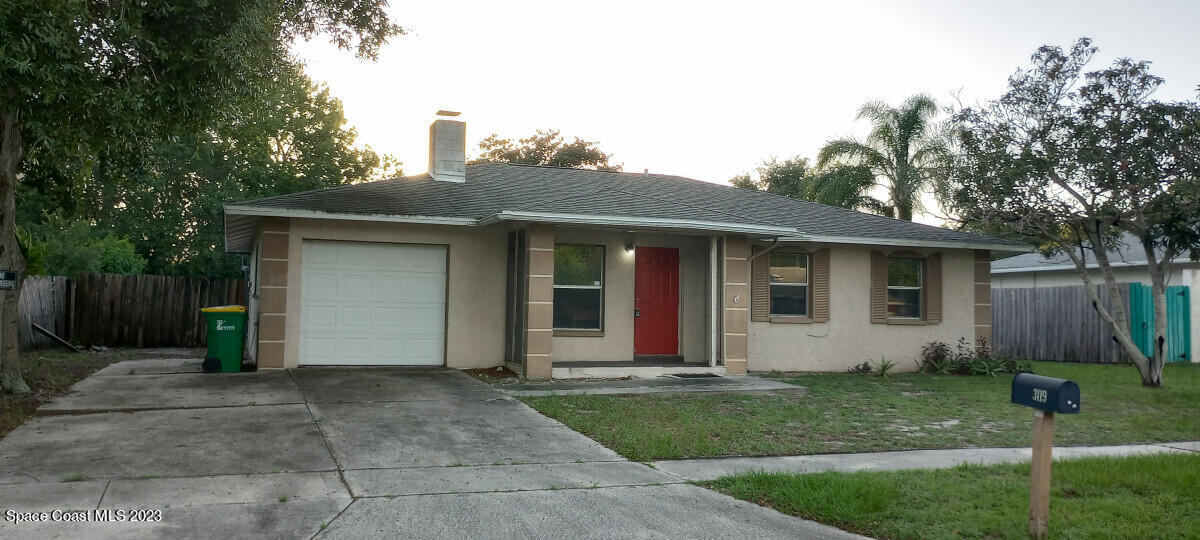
[(637, 313)]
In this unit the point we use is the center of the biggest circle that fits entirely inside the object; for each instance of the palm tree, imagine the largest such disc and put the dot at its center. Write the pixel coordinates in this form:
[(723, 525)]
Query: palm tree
[(904, 152)]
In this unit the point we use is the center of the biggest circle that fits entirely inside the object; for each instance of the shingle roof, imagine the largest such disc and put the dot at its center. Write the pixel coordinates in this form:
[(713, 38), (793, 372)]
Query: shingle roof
[(494, 187), (1127, 252)]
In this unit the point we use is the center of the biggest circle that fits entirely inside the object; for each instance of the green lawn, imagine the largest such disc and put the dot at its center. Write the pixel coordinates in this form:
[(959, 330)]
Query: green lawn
[(860, 413), (1132, 497)]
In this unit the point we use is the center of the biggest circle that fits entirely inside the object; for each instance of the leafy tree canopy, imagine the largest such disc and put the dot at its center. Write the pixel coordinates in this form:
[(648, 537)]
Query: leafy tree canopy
[(546, 147), (841, 185), (293, 137), (84, 82), (1070, 160)]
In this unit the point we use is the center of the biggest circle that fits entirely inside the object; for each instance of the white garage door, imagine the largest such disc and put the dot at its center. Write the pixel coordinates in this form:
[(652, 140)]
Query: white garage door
[(366, 303)]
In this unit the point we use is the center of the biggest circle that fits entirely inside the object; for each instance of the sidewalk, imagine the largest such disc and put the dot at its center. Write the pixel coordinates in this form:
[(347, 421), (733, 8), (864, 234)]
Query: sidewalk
[(711, 469)]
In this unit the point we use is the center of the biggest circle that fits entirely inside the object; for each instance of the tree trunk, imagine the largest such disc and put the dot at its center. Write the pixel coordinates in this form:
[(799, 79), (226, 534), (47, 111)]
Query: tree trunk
[(1119, 324), (11, 258), (1118, 319), (1158, 290)]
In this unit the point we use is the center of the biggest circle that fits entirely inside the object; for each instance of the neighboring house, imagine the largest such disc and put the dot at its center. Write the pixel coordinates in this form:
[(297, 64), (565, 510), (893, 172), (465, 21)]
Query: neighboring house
[(567, 272), (1128, 262)]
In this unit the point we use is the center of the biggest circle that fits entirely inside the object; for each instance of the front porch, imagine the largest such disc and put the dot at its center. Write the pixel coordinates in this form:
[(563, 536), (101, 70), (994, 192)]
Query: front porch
[(606, 302), (638, 369)]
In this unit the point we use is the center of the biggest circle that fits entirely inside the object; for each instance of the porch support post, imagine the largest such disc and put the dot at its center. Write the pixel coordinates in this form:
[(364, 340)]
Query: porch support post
[(983, 296), (737, 303), (714, 299), (539, 322)]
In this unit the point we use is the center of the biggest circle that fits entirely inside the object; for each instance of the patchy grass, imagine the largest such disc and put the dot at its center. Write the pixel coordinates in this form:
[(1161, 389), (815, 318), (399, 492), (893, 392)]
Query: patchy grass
[(1129, 497), (862, 413), (50, 373)]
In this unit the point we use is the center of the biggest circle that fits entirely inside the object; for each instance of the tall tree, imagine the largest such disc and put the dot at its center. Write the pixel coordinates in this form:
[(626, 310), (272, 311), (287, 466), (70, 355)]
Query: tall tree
[(546, 147), (841, 185), (85, 78), (293, 137), (905, 150), (1071, 160)]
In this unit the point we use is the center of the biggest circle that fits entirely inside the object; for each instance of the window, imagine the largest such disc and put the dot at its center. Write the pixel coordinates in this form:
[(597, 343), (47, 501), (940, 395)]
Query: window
[(789, 284), (578, 287), (905, 278)]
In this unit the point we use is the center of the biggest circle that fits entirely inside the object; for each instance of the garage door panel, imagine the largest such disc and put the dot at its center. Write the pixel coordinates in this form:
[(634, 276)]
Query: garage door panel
[(319, 316), (320, 285), (373, 304)]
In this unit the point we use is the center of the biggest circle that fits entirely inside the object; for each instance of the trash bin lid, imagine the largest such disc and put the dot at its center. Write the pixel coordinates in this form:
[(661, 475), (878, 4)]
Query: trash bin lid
[(224, 309)]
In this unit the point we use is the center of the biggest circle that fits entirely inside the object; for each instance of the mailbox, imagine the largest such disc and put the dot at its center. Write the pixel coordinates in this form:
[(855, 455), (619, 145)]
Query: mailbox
[(1045, 393)]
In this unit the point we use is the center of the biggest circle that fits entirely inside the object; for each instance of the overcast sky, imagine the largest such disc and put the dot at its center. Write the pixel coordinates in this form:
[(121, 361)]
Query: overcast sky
[(709, 90)]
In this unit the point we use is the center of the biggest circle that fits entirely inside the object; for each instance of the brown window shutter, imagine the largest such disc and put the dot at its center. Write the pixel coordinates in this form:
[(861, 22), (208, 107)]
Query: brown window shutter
[(760, 287), (820, 285), (879, 277), (933, 289)]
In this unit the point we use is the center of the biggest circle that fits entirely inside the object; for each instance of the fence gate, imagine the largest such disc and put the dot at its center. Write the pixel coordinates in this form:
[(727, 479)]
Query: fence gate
[(1141, 320)]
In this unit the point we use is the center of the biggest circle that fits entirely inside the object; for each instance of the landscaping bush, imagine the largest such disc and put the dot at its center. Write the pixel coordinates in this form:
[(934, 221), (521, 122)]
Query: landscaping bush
[(939, 359)]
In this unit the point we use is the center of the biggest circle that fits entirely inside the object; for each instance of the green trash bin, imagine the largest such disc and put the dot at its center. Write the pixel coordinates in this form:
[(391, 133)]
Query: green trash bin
[(226, 338)]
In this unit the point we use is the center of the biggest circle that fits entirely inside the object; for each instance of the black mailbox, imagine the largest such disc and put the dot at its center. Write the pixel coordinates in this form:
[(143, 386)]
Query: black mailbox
[(1045, 393)]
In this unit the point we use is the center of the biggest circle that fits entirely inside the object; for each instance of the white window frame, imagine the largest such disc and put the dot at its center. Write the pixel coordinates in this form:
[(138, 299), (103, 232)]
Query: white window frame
[(600, 287), (807, 285), (920, 288)]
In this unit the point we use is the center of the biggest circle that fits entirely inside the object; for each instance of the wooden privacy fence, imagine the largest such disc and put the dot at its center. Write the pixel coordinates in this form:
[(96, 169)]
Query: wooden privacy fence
[(1059, 323), (1053, 323), (123, 310)]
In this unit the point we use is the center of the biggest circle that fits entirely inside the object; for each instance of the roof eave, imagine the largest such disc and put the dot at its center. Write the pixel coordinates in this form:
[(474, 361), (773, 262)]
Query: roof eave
[(266, 211), (630, 221), (876, 241)]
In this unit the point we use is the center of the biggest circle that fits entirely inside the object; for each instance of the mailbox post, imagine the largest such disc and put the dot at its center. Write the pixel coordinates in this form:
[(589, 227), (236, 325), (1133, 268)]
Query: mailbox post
[(1046, 395)]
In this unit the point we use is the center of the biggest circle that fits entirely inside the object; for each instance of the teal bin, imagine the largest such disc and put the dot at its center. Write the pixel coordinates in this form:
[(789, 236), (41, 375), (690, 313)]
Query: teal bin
[(226, 338)]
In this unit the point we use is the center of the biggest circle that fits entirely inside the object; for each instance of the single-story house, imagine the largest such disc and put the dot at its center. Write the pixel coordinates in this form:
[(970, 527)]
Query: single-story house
[(567, 272), (1127, 259)]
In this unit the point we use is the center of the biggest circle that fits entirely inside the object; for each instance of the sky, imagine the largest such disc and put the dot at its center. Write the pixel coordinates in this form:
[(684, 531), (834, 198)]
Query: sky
[(709, 90)]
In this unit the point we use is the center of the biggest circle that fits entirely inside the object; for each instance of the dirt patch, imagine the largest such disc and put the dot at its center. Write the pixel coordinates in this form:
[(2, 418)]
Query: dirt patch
[(50, 373), (494, 375)]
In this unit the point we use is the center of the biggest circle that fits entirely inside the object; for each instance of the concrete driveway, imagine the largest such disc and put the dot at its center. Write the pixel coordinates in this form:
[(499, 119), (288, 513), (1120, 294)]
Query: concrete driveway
[(338, 453)]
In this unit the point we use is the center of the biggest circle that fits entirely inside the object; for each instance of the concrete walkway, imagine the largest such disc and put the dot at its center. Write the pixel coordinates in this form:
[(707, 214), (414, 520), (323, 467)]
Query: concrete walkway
[(340, 453), (711, 469), (657, 385)]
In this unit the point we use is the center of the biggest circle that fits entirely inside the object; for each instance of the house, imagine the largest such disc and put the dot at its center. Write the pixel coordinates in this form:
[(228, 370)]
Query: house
[(565, 272), (1127, 259), (1128, 262)]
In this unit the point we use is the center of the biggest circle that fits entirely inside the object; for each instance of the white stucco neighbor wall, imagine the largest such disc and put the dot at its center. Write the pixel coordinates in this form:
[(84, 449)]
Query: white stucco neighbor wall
[(849, 338), (1191, 278)]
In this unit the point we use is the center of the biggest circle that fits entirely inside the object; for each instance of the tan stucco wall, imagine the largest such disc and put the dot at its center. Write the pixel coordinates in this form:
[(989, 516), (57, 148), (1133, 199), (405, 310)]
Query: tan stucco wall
[(849, 338), (617, 342), (475, 279)]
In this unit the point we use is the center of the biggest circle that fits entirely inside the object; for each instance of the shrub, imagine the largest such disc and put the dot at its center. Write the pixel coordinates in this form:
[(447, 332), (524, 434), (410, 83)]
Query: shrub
[(884, 367), (965, 359), (862, 368)]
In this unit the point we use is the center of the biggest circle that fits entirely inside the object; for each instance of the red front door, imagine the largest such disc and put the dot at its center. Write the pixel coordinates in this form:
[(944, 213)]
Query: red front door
[(656, 301)]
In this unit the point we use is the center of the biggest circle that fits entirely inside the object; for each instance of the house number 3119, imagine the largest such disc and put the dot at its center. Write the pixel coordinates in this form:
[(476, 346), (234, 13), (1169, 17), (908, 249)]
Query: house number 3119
[(1039, 395)]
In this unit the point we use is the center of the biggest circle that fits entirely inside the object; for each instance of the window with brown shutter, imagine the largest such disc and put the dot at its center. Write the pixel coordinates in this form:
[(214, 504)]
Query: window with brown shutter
[(820, 285), (879, 276), (906, 288), (760, 287), (789, 286)]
